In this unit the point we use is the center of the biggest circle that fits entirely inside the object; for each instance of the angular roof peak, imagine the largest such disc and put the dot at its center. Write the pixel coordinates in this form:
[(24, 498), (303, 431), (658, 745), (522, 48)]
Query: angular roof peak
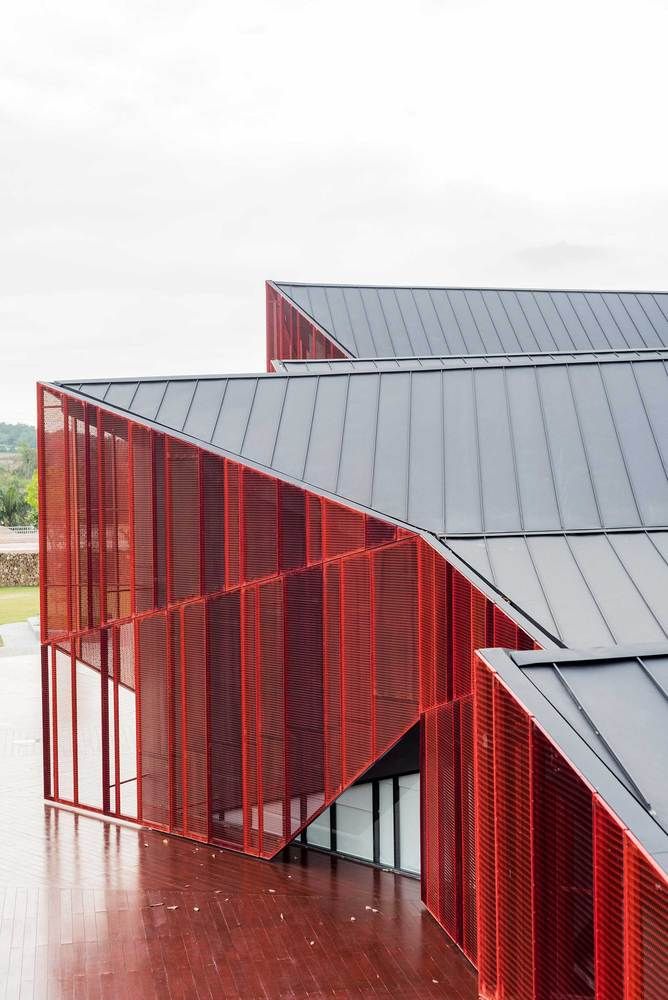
[(394, 321)]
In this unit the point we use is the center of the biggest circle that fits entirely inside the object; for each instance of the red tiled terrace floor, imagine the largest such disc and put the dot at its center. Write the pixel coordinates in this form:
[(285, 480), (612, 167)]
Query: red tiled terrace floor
[(92, 909)]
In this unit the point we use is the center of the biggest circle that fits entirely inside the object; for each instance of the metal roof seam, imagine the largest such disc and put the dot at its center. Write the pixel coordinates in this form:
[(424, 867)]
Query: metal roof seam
[(456, 319), (134, 393), (626, 309), (352, 332), (162, 399), (409, 448), (583, 442), (619, 440), (438, 317), (649, 320), (597, 732), (595, 601), (366, 317), (220, 410), (647, 417), (248, 418), (634, 585), (476, 426), (660, 307), (190, 404), (384, 315), (343, 434), (513, 450), (426, 335), (585, 299), (654, 680), (375, 444), (561, 317), (403, 320), (279, 422), (310, 427), (612, 317), (508, 318), (546, 436)]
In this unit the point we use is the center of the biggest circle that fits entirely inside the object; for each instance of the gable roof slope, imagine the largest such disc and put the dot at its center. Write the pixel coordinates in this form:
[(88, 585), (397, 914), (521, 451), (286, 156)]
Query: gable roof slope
[(385, 321)]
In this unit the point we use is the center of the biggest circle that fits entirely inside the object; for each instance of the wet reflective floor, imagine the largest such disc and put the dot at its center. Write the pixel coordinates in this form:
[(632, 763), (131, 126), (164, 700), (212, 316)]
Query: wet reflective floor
[(93, 909)]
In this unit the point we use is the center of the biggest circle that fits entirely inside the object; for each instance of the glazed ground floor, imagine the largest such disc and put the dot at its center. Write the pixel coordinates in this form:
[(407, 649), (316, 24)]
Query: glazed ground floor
[(89, 908)]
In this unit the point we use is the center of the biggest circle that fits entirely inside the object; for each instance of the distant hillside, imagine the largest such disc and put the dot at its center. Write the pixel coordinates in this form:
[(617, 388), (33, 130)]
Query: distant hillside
[(14, 435)]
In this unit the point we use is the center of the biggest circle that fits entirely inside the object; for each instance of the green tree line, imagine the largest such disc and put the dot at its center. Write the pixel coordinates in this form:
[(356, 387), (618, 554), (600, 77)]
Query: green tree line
[(12, 436), (18, 481)]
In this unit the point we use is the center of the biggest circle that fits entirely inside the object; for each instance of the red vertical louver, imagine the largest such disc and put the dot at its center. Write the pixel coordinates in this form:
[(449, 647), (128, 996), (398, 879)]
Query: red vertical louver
[(290, 335), (569, 906)]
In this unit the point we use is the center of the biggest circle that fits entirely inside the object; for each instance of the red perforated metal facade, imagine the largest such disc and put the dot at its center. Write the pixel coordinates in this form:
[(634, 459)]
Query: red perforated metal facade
[(569, 905), (291, 335), (456, 620), (271, 635), (224, 653)]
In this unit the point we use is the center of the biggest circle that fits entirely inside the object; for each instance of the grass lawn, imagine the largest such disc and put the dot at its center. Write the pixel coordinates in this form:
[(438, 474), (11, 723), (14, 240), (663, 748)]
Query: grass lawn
[(18, 603)]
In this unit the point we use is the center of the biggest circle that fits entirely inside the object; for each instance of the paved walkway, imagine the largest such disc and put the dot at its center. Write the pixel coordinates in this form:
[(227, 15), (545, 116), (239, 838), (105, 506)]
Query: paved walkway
[(93, 909)]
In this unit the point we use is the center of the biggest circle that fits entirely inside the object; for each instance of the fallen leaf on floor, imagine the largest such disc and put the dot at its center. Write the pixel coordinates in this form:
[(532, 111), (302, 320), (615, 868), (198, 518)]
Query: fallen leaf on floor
[(282, 917), (164, 840), (272, 890), (196, 909), (172, 907), (353, 918), (311, 942)]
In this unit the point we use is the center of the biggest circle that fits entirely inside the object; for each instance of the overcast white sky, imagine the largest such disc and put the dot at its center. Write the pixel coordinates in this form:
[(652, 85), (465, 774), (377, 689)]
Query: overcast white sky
[(159, 161)]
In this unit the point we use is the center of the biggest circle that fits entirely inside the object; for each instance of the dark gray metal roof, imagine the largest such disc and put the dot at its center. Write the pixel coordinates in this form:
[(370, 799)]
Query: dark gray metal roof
[(608, 713), (584, 590), (339, 365), (492, 451), (375, 321)]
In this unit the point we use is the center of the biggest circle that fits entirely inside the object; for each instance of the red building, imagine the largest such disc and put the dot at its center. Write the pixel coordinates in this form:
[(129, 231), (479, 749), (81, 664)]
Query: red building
[(254, 589)]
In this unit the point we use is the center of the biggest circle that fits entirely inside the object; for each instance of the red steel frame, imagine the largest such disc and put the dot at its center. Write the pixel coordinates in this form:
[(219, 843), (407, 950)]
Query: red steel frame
[(290, 335), (571, 906)]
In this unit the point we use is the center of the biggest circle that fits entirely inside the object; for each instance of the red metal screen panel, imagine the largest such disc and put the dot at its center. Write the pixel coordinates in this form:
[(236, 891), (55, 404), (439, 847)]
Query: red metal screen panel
[(291, 335), (608, 843), (563, 875), (467, 848), (155, 763), (485, 829), (184, 535), (357, 682), (54, 519), (271, 643), (512, 787), (395, 654), (225, 720), (332, 706), (647, 926), (569, 906)]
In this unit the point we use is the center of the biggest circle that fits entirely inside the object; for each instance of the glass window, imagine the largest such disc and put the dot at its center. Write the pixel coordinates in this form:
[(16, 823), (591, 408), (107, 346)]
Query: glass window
[(409, 823), (386, 818), (318, 833), (354, 822)]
